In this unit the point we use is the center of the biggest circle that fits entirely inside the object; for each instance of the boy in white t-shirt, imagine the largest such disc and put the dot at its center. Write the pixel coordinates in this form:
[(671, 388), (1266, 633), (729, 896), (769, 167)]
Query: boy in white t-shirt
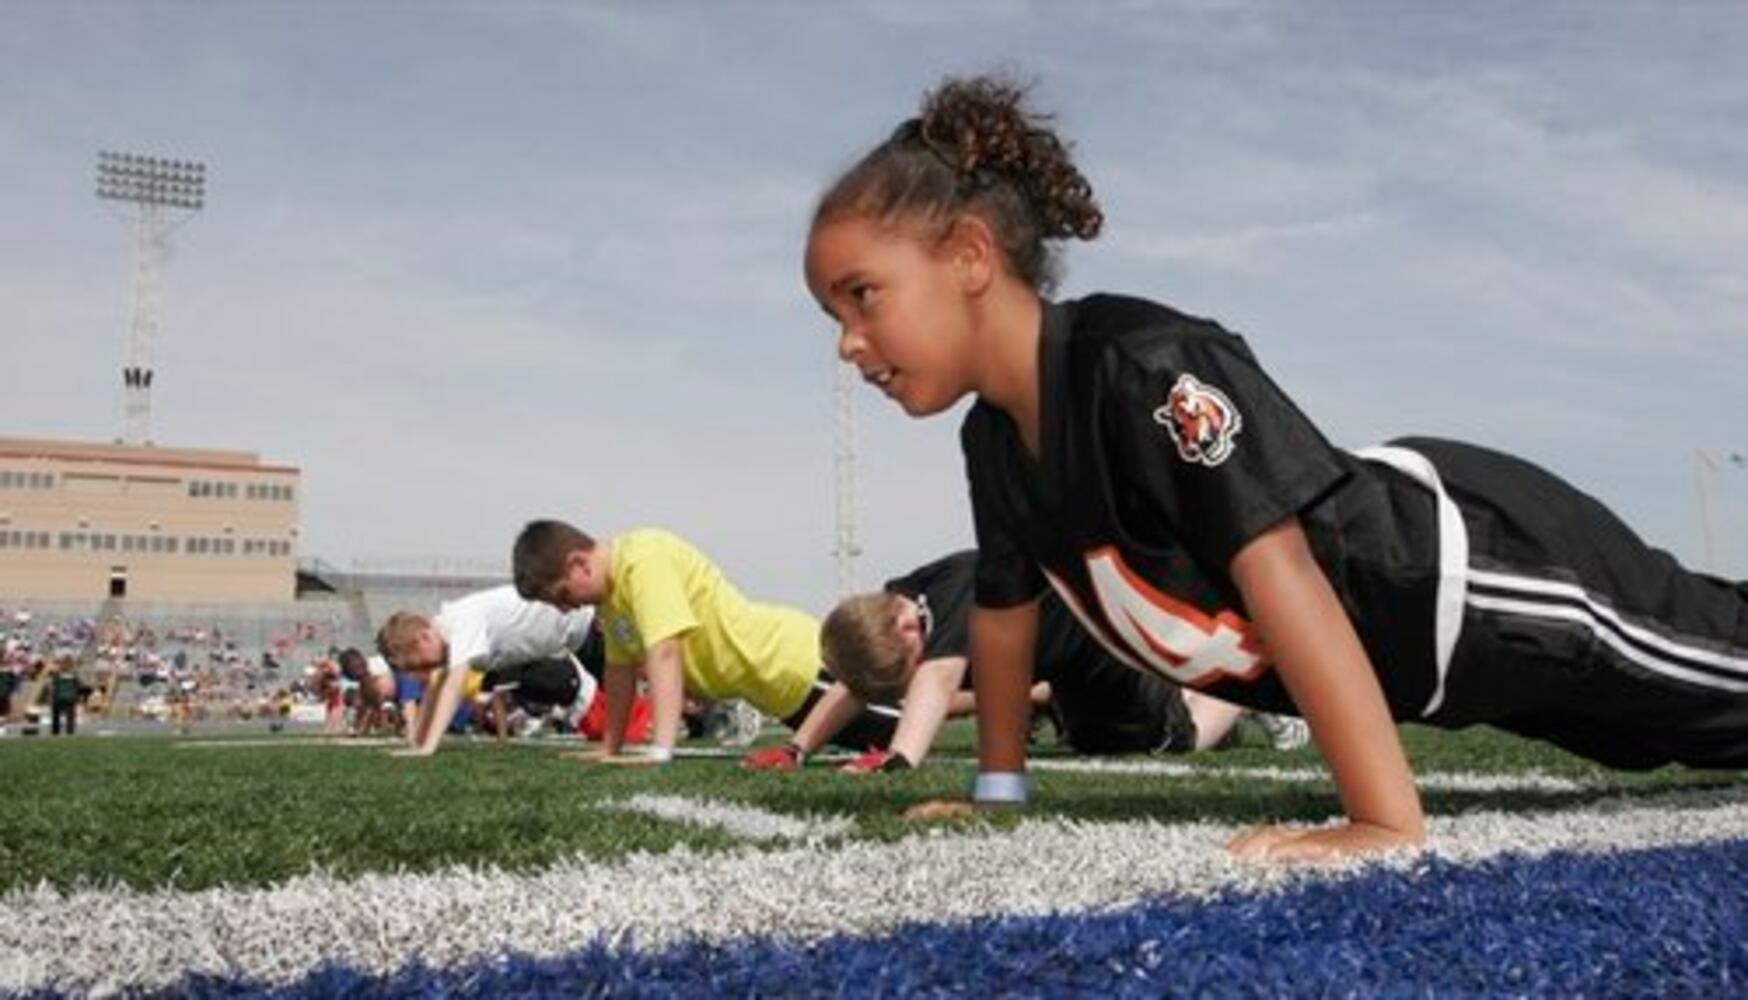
[(488, 640)]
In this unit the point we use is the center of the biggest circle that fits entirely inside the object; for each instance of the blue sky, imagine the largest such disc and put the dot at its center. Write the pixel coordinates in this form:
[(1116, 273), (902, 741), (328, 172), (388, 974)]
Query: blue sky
[(470, 263)]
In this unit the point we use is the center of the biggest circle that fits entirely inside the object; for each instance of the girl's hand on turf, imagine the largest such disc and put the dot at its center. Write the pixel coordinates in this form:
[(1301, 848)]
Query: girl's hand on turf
[(939, 809), (1321, 845)]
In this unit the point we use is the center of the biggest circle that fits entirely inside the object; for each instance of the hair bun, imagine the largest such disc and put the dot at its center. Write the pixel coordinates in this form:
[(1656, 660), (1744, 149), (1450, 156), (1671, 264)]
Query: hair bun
[(980, 126)]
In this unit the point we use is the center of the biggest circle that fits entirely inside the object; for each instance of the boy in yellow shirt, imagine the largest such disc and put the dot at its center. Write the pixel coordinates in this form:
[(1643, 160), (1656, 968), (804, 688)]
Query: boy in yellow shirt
[(668, 612)]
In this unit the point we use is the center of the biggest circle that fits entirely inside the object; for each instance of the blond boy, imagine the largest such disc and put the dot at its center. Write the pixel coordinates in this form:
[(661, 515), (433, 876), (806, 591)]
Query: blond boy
[(488, 630), (909, 644)]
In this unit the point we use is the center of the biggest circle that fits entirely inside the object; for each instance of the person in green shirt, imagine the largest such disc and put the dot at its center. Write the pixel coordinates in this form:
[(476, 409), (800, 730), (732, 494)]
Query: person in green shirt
[(64, 693), (8, 684)]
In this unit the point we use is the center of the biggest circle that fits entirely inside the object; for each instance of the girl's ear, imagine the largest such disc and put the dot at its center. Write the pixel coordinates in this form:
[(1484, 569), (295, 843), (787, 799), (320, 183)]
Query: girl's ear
[(974, 252)]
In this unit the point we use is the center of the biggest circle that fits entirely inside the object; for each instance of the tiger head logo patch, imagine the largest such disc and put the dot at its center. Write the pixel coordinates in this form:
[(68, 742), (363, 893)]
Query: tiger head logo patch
[(1201, 420)]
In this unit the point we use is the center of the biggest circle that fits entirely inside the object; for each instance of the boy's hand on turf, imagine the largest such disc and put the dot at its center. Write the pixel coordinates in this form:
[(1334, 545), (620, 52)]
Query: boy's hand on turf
[(1321, 845), (877, 760), (939, 809), (783, 758), (412, 752), (630, 759)]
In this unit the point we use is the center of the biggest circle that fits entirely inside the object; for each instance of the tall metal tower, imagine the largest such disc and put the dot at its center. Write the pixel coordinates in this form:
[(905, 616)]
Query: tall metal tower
[(164, 194), (846, 548), (1705, 483)]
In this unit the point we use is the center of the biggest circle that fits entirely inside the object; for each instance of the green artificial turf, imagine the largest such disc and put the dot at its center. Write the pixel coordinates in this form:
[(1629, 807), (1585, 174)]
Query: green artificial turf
[(149, 812)]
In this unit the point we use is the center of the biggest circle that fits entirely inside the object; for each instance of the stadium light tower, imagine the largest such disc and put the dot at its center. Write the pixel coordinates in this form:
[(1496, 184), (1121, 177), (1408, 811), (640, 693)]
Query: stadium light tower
[(164, 194), (1705, 482), (846, 549)]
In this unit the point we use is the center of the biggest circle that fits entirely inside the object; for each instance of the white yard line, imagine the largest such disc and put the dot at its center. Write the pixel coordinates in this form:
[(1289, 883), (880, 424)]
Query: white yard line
[(112, 939), (744, 822), (292, 741), (1448, 781), (550, 742), (1444, 781)]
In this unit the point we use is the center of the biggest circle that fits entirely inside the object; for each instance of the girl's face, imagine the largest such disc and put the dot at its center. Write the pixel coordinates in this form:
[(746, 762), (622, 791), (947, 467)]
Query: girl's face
[(899, 299)]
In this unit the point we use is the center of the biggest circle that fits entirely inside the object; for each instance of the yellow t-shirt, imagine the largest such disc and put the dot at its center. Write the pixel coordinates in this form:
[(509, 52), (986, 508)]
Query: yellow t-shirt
[(662, 587)]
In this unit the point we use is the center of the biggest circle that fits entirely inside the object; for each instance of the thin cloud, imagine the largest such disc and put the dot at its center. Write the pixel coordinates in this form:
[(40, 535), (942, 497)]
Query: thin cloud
[(1246, 248), (484, 262)]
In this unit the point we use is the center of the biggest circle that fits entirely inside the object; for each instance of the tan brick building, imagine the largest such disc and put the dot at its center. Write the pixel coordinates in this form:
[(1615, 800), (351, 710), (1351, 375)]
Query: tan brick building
[(88, 521)]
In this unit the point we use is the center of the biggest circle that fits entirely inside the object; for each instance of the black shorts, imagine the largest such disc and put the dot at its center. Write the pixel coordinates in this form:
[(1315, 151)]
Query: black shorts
[(1576, 632), (1105, 707), (538, 685)]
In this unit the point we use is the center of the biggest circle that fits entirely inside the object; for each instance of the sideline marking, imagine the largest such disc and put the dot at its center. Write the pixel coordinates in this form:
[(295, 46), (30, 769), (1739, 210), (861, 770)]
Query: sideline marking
[(113, 940)]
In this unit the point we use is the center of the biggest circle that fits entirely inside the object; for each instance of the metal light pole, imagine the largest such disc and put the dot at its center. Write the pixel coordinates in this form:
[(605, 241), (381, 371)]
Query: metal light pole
[(1705, 481), (1703, 466), (165, 194), (846, 549)]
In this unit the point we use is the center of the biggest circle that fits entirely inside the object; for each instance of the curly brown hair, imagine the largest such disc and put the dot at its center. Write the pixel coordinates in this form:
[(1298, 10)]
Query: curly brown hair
[(976, 147)]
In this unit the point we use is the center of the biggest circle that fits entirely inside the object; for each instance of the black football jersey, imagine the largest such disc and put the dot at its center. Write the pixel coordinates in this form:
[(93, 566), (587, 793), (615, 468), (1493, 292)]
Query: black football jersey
[(1165, 449), (944, 591)]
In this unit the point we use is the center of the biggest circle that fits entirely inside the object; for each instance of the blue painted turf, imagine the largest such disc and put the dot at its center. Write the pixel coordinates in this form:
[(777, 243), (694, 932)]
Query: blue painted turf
[(1667, 922)]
